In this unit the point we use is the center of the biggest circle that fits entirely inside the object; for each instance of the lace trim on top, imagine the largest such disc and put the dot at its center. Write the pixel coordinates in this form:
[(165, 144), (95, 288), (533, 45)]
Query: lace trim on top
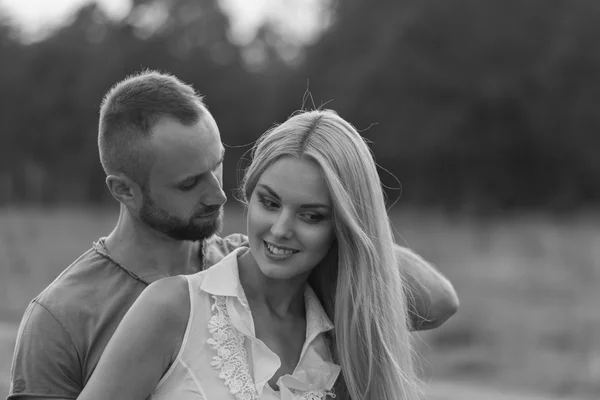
[(232, 359), (317, 395)]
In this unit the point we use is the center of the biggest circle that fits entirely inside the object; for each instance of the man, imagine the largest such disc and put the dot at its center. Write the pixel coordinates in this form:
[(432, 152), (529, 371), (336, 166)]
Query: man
[(162, 153)]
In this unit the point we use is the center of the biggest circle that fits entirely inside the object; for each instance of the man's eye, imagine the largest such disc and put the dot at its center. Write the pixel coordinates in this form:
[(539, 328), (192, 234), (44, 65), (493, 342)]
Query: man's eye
[(188, 185)]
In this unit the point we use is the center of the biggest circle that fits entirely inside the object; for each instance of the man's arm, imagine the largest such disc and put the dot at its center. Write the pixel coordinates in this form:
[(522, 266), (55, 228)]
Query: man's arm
[(45, 364), (431, 298)]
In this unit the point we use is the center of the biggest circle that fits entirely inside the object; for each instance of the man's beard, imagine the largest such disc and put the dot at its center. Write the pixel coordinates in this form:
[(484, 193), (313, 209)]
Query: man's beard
[(176, 228)]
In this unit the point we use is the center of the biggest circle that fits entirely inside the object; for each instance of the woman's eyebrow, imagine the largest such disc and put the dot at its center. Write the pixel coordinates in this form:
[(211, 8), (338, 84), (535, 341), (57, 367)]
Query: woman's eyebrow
[(268, 189), (276, 196)]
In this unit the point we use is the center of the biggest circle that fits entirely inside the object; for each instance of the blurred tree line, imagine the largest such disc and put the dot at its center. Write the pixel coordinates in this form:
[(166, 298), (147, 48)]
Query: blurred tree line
[(474, 105)]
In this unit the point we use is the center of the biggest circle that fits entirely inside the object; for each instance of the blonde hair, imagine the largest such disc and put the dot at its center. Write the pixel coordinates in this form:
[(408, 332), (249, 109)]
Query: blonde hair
[(358, 283)]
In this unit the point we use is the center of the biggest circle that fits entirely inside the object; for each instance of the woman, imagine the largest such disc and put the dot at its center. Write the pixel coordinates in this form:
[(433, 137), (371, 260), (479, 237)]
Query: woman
[(309, 311)]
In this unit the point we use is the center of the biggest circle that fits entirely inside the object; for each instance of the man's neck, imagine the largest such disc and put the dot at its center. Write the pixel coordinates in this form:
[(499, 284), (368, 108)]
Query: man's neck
[(150, 254)]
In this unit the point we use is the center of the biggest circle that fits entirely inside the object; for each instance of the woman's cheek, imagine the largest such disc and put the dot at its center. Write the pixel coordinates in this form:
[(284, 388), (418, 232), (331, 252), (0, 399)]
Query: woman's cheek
[(319, 238)]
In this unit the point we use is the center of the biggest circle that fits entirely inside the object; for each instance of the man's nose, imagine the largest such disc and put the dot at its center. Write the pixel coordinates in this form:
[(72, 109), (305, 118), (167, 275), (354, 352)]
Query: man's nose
[(214, 194)]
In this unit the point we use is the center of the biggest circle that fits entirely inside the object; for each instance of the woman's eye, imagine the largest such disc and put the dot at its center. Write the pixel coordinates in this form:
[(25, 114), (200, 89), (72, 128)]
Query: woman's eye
[(268, 204), (312, 218)]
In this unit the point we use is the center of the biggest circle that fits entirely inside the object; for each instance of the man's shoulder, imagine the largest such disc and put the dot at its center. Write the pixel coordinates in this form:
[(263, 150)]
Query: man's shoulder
[(74, 317), (232, 241), (217, 247), (61, 285), (88, 282)]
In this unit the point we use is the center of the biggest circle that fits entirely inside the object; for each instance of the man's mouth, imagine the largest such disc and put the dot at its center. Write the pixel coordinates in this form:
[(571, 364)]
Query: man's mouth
[(208, 215)]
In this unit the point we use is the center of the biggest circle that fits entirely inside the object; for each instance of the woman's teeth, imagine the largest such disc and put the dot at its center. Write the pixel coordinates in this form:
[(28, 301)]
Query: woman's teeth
[(278, 251)]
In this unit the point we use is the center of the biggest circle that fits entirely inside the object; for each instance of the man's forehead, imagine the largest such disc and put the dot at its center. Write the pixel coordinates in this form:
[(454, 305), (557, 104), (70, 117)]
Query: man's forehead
[(187, 149), (169, 132)]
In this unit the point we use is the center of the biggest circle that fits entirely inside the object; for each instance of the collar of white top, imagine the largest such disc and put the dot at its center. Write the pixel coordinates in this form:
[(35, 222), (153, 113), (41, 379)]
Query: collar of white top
[(223, 279)]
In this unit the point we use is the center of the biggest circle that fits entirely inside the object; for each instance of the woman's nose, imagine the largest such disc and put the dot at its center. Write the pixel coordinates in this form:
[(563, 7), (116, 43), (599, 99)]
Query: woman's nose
[(283, 226)]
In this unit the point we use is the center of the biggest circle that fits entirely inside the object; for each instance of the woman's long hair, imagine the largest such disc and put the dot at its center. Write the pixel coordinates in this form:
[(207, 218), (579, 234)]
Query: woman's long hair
[(359, 282)]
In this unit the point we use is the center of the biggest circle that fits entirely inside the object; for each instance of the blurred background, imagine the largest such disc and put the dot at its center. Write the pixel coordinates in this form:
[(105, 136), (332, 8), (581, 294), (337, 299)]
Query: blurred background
[(481, 113)]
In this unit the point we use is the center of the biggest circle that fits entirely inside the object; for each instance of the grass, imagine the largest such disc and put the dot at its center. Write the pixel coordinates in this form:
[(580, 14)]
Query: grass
[(528, 285)]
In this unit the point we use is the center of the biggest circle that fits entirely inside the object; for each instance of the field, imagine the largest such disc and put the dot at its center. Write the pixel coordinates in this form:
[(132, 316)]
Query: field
[(529, 319)]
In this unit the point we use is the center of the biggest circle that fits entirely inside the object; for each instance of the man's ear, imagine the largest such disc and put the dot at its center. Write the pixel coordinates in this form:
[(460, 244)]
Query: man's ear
[(124, 190)]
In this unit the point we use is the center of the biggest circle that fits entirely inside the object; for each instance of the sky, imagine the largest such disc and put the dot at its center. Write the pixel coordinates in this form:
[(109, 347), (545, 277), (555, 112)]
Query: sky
[(34, 16), (301, 17)]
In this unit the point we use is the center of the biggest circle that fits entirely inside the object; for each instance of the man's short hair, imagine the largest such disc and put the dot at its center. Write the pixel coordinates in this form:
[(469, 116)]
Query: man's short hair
[(130, 110)]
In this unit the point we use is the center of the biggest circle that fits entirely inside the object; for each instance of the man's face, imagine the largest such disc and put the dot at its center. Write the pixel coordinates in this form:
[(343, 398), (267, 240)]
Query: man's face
[(183, 197)]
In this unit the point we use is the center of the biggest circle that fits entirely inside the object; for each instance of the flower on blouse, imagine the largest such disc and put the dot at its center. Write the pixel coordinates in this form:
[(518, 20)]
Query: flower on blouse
[(321, 374)]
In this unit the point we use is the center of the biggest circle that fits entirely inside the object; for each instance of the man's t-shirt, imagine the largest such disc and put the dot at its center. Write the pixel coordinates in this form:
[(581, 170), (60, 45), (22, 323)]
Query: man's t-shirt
[(66, 328)]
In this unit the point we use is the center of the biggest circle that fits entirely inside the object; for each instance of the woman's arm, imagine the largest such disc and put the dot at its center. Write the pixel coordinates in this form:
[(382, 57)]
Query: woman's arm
[(144, 345), (432, 299)]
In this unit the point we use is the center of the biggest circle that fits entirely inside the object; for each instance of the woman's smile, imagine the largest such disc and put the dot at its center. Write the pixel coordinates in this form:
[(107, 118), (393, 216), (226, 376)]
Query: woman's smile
[(278, 253)]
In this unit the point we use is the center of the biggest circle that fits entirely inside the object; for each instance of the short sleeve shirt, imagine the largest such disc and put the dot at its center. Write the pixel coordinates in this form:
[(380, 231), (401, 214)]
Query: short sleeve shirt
[(65, 329)]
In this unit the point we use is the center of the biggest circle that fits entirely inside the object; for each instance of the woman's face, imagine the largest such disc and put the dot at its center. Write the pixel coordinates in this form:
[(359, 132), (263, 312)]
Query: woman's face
[(290, 225)]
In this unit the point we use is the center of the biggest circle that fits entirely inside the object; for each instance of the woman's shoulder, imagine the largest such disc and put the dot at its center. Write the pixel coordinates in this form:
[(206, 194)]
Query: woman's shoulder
[(168, 290), (154, 326), (166, 300)]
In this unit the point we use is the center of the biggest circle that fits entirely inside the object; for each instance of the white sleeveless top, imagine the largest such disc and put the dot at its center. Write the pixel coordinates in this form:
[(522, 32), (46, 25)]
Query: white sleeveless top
[(221, 358)]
